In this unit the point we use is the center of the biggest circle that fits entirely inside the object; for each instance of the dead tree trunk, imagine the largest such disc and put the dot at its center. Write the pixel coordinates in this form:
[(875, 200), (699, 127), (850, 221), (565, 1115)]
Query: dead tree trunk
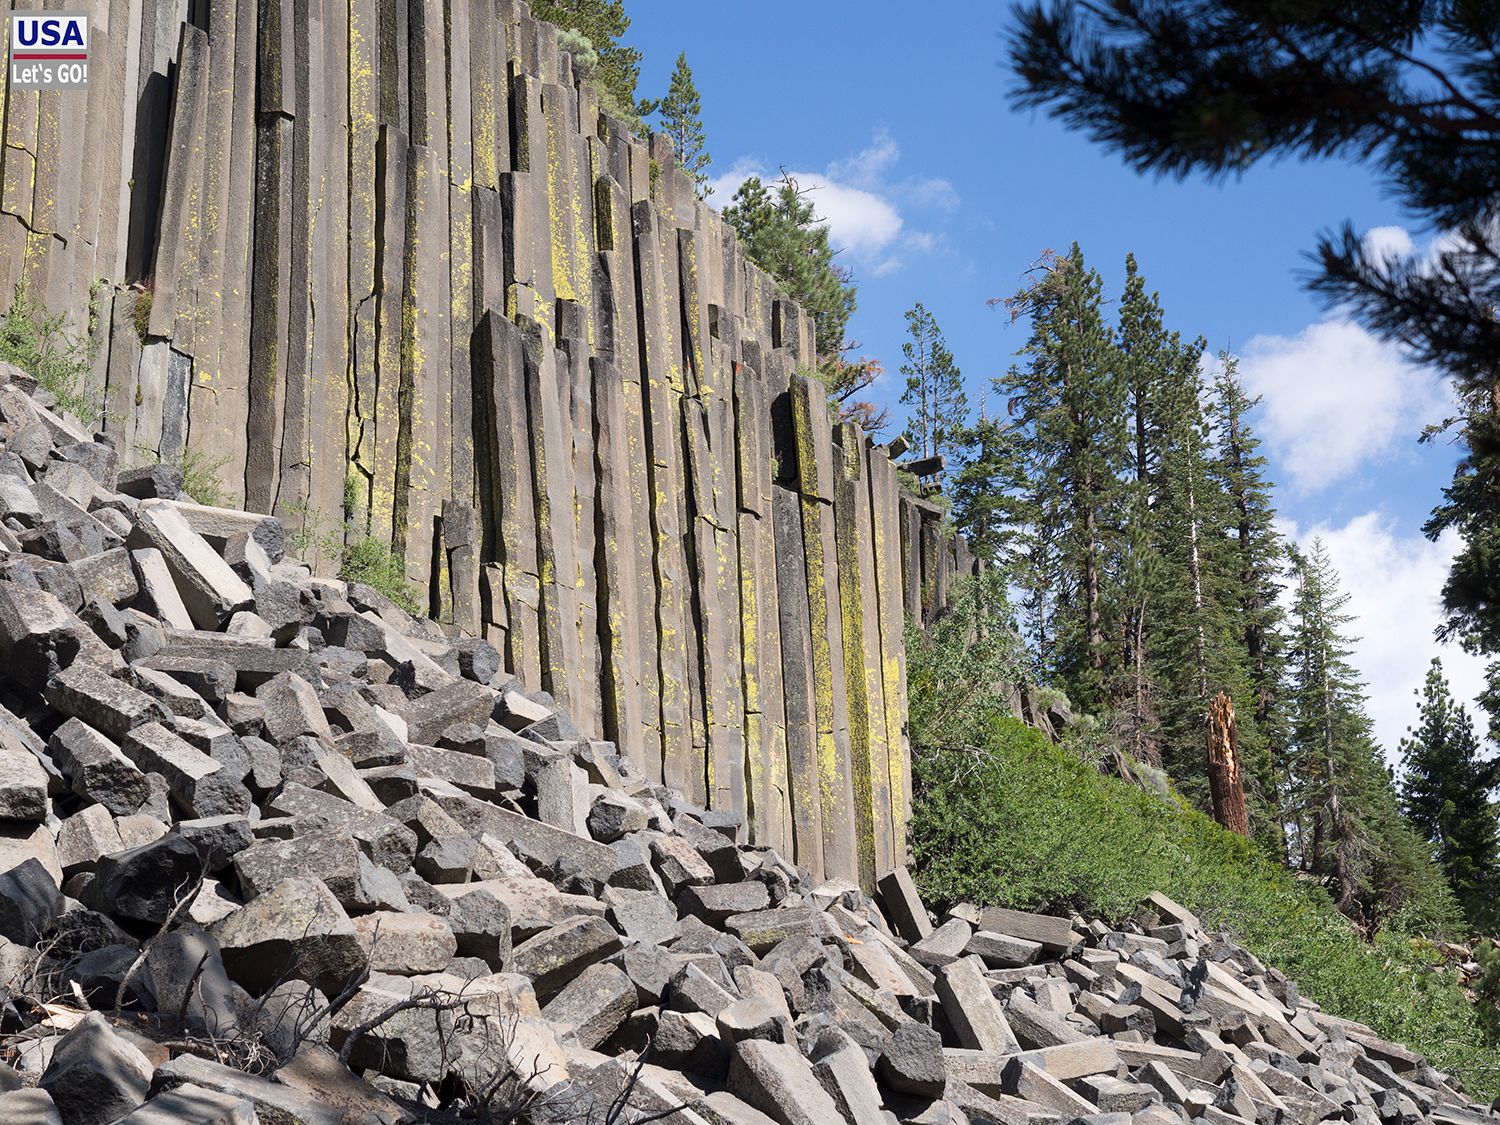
[(1225, 779)]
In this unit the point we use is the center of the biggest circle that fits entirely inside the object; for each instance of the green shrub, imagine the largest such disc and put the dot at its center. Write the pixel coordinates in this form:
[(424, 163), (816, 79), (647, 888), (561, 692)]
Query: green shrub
[(45, 348), (361, 557), (959, 672), (202, 475), (1013, 820), (370, 561)]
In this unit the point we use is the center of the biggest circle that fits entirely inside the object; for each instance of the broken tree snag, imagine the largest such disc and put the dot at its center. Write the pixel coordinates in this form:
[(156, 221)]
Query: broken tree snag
[(1224, 777)]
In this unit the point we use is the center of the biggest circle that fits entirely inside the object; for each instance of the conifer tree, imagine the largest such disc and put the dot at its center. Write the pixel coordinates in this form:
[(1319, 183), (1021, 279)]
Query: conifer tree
[(599, 26), (1261, 552), (1196, 640), (934, 395), (781, 233), (1447, 793), (1144, 353), (986, 508), (681, 114), (1346, 826), (1329, 728), (1069, 402), (1261, 560)]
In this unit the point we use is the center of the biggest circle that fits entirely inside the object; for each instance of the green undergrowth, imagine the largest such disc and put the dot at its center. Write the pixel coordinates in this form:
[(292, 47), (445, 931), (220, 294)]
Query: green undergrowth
[(202, 474), (46, 349), (359, 556), (1013, 820), (370, 561)]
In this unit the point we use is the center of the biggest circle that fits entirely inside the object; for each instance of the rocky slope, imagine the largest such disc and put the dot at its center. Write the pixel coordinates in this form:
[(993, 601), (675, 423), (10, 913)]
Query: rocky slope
[(275, 851)]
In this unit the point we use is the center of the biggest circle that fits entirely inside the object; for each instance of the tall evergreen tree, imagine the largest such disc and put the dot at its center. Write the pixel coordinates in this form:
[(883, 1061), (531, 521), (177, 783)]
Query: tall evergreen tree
[(601, 24), (1068, 401), (934, 394), (681, 115), (1346, 827), (781, 233), (1197, 643), (1330, 729), (1146, 362), (986, 508), (1447, 793), (1261, 560)]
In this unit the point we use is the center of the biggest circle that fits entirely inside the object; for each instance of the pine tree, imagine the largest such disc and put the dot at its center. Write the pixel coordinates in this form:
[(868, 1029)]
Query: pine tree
[(1347, 827), (781, 233), (1196, 638), (1447, 792), (1145, 357), (1069, 403), (599, 26), (1261, 564), (986, 509), (934, 395), (1329, 728), (681, 114)]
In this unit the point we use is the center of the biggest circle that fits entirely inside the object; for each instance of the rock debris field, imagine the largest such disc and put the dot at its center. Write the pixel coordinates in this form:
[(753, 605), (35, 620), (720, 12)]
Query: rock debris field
[(276, 851)]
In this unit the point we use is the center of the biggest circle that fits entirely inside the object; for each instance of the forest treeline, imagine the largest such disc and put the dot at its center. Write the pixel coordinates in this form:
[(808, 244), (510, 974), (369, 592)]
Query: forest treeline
[(1120, 488)]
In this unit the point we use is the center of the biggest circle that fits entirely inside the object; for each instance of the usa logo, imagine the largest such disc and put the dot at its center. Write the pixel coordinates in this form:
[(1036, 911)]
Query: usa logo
[(49, 50)]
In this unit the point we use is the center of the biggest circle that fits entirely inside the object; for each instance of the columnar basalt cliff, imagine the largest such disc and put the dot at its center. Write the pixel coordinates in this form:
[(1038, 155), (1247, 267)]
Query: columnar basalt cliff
[(389, 264)]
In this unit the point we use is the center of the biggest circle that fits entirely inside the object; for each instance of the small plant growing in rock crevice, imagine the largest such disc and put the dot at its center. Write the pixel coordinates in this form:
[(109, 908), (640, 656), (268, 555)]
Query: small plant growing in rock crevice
[(141, 312)]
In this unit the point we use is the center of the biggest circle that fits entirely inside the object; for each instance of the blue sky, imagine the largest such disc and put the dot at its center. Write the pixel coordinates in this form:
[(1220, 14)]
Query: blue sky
[(938, 192)]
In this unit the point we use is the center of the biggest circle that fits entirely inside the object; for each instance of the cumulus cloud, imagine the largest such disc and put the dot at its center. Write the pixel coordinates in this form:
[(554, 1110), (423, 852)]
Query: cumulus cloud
[(1398, 242), (1394, 582), (1388, 242), (1336, 398), (869, 166), (861, 201)]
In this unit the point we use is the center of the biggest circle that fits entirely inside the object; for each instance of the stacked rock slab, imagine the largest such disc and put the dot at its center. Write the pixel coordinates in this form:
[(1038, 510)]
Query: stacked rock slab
[(272, 850), (387, 267)]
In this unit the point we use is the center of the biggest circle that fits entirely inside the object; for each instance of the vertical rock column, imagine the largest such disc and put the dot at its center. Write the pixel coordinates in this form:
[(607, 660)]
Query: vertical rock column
[(508, 511), (814, 451), (659, 358), (885, 545), (859, 610), (769, 781), (624, 549)]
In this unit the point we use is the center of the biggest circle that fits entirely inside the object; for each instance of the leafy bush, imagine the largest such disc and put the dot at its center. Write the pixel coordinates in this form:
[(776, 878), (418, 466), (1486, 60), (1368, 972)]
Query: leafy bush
[(202, 475), (45, 348), (960, 672), (370, 561), (361, 557), (1011, 819)]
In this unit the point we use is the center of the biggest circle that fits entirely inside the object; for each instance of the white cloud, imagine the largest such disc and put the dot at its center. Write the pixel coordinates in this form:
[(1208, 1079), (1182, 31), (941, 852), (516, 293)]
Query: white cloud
[(1388, 242), (1398, 242), (1394, 582), (937, 194), (868, 167), (860, 202), (1337, 398)]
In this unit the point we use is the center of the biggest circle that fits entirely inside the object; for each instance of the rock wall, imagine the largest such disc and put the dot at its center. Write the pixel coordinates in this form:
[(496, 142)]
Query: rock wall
[(384, 265)]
